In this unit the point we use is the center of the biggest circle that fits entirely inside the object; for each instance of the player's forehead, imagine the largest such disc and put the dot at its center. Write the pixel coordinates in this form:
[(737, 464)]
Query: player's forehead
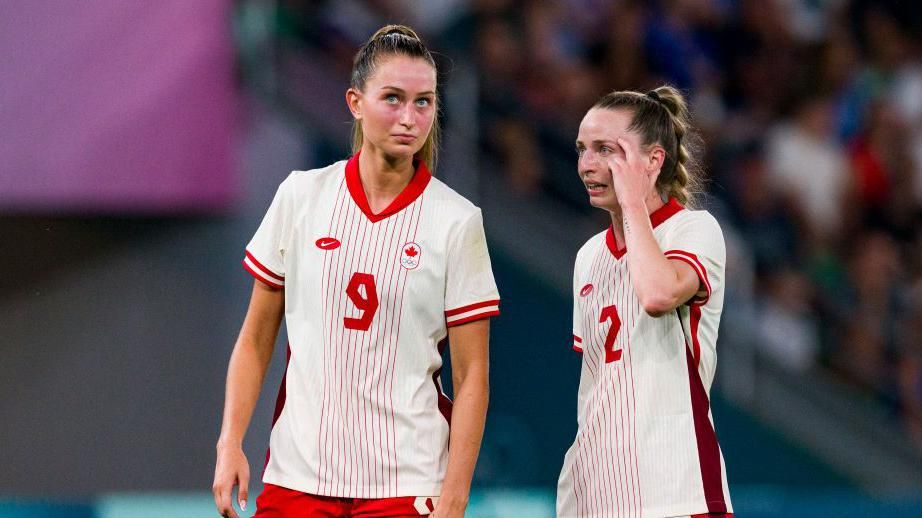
[(410, 74), (604, 125)]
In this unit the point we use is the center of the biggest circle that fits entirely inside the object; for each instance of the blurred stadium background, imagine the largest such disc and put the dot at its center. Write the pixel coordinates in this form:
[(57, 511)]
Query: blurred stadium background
[(141, 142)]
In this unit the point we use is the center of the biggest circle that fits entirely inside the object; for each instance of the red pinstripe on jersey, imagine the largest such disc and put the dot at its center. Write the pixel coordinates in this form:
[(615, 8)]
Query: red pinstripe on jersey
[(605, 471), (357, 444), (629, 362), (328, 274), (396, 336)]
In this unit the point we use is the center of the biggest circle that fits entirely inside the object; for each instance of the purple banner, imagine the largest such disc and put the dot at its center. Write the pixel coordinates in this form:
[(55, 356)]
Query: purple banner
[(117, 106)]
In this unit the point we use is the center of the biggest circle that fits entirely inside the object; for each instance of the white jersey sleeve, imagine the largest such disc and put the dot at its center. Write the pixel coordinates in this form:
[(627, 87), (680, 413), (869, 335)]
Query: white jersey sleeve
[(698, 241), (470, 291), (265, 253)]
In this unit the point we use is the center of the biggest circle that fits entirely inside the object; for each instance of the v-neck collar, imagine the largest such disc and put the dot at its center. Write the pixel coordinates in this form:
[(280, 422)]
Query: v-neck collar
[(656, 217), (409, 194)]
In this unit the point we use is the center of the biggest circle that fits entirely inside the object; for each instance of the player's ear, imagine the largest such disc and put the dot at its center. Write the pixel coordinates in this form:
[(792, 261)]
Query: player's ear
[(656, 157), (354, 102)]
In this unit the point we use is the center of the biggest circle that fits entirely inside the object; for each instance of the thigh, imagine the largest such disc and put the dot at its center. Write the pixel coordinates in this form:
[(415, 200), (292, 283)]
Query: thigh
[(397, 507), (280, 502)]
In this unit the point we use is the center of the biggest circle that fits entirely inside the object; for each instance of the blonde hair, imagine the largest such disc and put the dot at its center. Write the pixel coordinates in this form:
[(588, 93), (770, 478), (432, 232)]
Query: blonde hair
[(388, 41), (661, 117)]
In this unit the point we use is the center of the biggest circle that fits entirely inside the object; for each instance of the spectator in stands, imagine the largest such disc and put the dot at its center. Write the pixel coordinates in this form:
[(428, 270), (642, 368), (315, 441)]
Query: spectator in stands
[(808, 164)]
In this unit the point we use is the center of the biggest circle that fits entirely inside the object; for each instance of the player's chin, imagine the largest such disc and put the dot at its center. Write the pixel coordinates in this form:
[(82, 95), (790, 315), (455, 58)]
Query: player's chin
[(403, 151), (607, 202)]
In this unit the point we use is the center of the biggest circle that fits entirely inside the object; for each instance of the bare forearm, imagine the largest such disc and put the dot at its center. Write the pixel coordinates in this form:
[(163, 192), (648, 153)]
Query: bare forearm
[(245, 375), (249, 361), (468, 416), (652, 275)]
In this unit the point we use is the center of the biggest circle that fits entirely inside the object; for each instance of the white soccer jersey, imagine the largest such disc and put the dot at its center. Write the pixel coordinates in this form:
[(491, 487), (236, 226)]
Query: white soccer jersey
[(645, 444), (368, 299)]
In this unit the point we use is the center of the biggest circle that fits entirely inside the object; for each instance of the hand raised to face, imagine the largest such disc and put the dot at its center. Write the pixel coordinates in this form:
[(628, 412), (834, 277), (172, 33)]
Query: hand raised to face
[(633, 173)]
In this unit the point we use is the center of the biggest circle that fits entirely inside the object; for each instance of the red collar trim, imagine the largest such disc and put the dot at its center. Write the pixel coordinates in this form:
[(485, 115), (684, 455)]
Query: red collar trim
[(409, 194), (658, 216)]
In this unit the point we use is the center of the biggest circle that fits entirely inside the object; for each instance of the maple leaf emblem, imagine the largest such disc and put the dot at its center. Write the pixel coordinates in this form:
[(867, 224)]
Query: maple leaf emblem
[(411, 252)]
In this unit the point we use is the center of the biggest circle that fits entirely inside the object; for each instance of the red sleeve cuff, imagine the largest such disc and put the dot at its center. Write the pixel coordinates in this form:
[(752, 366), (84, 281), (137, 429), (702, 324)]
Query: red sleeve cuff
[(471, 312), (262, 273), (577, 344), (693, 261)]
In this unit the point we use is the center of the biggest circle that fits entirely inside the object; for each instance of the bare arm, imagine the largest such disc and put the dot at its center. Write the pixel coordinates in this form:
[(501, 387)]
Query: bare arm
[(245, 374), (470, 378), (661, 284)]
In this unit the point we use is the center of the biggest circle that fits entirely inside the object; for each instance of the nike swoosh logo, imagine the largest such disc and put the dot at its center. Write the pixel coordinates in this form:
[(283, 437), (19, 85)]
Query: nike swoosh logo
[(328, 243)]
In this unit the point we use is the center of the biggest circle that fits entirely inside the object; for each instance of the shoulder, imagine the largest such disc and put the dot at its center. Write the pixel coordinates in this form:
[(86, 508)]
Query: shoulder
[(690, 220), (448, 203), (696, 232), (591, 246), (314, 178)]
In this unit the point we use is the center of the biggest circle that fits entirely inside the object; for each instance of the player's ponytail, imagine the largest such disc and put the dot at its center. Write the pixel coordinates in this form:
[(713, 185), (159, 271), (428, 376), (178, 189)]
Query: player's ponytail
[(661, 117), (393, 40)]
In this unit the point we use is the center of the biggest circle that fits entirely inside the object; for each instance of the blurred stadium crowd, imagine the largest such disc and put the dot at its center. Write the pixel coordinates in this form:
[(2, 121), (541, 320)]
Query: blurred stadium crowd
[(810, 115)]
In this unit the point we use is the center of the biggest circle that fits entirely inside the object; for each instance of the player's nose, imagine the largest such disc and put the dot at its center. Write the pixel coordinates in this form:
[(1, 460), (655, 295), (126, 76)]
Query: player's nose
[(406, 116), (586, 163)]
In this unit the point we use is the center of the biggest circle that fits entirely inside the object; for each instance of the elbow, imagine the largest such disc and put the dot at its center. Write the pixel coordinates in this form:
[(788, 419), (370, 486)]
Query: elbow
[(657, 306), (474, 383)]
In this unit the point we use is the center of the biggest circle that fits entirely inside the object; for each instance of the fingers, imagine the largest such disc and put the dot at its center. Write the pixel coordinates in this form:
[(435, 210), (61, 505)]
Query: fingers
[(243, 489), (222, 499), (632, 160), (231, 469), (621, 161), (626, 149)]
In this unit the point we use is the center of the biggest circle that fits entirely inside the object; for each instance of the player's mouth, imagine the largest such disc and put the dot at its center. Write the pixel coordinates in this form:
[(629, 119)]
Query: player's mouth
[(405, 138), (595, 189)]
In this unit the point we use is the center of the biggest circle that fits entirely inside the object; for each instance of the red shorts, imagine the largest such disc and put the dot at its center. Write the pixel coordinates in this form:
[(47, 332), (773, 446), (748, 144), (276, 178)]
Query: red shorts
[(279, 502)]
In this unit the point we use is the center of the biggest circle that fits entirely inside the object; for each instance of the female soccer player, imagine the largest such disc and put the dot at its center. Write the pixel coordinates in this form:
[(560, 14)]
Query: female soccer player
[(372, 262), (648, 293)]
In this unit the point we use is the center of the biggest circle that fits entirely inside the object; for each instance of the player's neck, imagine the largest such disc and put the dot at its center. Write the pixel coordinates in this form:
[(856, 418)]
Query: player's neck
[(653, 203), (383, 177), (617, 227)]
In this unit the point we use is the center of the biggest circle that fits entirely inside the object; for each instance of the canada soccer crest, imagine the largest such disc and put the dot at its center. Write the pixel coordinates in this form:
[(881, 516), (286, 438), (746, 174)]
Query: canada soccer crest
[(409, 257)]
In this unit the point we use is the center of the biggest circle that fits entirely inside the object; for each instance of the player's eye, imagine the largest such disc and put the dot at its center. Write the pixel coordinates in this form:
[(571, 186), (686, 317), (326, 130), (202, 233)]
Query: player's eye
[(423, 102), (580, 151), (391, 99), (605, 151)]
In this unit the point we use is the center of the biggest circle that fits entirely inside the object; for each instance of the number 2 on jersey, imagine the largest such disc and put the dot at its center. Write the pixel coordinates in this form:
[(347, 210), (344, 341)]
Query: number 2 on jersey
[(611, 313), (367, 303)]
